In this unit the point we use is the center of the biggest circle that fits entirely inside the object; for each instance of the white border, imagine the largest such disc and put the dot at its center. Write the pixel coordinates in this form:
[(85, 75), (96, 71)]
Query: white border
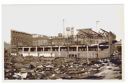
[(125, 41), (63, 1)]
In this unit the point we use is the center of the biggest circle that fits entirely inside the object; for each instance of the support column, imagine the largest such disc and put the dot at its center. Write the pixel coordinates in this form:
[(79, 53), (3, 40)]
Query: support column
[(36, 51), (77, 50), (87, 55), (29, 51), (43, 49), (59, 51), (36, 48)]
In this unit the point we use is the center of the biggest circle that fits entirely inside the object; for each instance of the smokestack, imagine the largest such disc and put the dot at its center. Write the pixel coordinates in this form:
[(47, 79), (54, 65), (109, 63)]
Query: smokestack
[(63, 28)]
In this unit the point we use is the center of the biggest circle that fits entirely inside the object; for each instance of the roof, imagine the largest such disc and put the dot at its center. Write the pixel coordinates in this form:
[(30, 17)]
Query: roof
[(88, 32)]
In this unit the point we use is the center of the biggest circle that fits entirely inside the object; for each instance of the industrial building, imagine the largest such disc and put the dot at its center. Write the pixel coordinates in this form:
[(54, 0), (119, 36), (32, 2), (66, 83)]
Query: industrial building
[(86, 44)]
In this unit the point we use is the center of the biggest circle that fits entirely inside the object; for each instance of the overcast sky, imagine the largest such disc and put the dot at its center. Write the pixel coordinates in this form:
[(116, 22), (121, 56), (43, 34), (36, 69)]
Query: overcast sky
[(47, 19)]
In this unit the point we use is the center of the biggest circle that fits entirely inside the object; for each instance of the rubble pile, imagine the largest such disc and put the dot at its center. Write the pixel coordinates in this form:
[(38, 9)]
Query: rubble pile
[(35, 68)]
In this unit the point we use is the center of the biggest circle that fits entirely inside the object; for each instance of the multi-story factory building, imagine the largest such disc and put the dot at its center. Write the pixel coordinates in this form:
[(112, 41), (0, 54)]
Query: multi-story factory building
[(85, 43)]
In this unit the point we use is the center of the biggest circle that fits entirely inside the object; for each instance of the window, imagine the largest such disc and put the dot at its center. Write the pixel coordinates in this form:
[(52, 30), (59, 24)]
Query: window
[(26, 49)]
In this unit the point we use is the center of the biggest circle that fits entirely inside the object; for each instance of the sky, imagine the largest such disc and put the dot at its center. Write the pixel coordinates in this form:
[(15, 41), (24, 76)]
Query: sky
[(48, 19)]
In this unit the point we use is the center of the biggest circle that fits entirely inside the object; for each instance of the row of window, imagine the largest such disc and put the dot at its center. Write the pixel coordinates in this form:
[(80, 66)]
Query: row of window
[(56, 49)]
